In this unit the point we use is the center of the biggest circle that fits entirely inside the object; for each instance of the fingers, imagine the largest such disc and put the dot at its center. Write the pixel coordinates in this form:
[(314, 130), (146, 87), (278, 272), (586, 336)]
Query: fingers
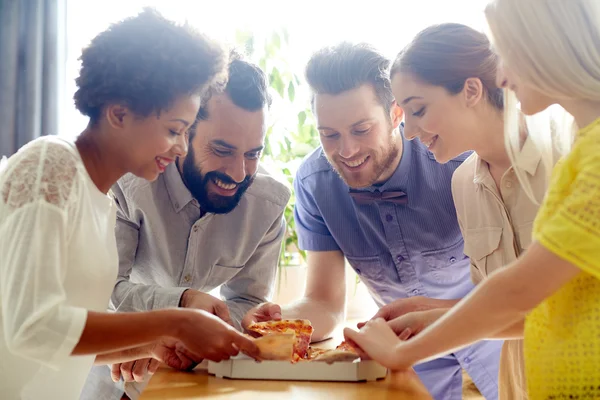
[(245, 345), (127, 371), (272, 311), (115, 372), (222, 311), (405, 334), (153, 366), (383, 312), (399, 325), (140, 368), (351, 335)]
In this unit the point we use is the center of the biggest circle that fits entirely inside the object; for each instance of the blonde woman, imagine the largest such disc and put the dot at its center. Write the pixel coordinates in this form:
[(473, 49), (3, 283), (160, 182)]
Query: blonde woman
[(550, 55)]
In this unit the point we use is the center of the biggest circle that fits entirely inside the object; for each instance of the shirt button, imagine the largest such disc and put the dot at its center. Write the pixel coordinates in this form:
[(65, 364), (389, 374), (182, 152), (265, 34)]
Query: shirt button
[(415, 292), (467, 360), (195, 229), (508, 184), (389, 218), (187, 278), (452, 260), (399, 258)]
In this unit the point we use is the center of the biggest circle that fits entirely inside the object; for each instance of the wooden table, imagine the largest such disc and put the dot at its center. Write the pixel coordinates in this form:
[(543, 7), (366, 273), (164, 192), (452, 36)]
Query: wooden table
[(171, 384)]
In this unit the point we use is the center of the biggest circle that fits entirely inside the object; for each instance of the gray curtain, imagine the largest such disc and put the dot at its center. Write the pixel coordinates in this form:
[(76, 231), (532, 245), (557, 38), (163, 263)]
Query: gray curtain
[(32, 65)]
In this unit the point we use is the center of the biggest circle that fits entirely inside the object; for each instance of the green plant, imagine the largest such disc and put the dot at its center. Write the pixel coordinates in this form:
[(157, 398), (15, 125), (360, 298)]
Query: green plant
[(291, 134)]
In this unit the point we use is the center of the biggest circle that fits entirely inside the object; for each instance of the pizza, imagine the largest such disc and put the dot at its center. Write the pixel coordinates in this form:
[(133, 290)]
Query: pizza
[(300, 327), (276, 347), (290, 340), (346, 347)]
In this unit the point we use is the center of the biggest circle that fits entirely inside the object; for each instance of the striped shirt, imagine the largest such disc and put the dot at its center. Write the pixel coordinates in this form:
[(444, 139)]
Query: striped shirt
[(399, 251)]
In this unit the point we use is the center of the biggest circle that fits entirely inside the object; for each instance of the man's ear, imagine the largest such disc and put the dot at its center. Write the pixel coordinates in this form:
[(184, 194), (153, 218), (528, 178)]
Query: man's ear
[(396, 114), (117, 115), (473, 91)]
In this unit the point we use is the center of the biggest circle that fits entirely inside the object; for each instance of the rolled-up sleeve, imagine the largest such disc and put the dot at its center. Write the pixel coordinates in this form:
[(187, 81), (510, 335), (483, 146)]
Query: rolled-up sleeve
[(313, 234)]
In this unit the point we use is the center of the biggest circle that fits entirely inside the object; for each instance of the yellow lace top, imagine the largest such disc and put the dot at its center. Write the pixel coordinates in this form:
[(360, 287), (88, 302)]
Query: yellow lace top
[(562, 335)]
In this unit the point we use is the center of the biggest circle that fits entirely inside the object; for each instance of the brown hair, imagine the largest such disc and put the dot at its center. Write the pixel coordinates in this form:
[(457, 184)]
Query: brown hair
[(346, 66), (447, 55)]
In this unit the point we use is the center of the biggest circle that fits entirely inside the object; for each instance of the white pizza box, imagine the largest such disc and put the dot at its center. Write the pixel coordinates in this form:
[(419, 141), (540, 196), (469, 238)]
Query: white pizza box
[(243, 367)]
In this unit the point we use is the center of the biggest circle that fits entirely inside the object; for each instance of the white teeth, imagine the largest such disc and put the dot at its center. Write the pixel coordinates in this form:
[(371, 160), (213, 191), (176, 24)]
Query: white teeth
[(354, 164), (429, 143), (162, 161), (223, 185)]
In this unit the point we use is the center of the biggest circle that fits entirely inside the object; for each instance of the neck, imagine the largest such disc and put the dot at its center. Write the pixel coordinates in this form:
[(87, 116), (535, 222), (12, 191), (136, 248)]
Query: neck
[(99, 158), (584, 112), (491, 147)]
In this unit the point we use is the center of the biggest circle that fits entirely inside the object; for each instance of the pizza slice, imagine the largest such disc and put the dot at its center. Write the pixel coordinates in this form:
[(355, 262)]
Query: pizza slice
[(331, 356), (300, 327), (276, 346), (345, 346)]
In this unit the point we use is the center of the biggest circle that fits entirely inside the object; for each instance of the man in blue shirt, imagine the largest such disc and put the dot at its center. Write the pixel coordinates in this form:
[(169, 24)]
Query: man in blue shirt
[(383, 203)]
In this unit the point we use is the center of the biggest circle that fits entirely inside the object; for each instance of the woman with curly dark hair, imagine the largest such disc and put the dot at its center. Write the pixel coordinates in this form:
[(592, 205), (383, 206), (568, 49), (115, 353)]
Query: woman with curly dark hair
[(140, 84)]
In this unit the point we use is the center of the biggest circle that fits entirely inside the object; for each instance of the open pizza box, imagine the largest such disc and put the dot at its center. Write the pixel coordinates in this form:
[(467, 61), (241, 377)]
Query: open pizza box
[(286, 355), (243, 367)]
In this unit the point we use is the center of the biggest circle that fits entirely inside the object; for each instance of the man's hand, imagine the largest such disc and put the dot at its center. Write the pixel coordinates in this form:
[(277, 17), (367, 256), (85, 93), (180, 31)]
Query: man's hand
[(260, 313), (203, 301), (401, 307), (167, 351)]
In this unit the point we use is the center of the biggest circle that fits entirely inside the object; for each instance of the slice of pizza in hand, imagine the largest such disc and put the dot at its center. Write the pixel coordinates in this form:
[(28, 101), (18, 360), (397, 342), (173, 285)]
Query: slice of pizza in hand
[(277, 346), (301, 327)]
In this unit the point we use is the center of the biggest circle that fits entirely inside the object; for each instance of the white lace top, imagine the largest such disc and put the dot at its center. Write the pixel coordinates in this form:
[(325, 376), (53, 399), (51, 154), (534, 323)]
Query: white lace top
[(58, 259)]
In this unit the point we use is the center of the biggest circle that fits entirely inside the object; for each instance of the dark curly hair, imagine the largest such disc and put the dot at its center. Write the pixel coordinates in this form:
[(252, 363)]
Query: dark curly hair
[(145, 63), (247, 86)]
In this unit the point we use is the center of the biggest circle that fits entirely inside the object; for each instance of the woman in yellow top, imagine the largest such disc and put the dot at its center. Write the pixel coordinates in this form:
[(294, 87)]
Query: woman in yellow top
[(550, 55)]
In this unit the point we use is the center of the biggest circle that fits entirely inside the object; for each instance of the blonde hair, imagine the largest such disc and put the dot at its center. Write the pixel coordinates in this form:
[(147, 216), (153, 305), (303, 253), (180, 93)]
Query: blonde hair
[(554, 45)]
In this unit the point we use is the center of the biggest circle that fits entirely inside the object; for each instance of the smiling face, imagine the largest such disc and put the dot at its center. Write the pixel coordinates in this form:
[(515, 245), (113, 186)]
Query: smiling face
[(224, 154), (441, 121), (151, 143), (360, 140)]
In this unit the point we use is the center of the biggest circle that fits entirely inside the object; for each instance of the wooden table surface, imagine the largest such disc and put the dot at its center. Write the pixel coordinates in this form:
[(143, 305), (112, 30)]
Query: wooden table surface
[(170, 384)]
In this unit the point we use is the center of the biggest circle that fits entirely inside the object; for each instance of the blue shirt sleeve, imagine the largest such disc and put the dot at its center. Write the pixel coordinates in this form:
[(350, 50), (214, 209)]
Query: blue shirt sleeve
[(313, 233)]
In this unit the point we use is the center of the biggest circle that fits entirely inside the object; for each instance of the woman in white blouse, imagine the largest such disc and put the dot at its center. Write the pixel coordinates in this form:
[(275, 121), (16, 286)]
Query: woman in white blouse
[(140, 84)]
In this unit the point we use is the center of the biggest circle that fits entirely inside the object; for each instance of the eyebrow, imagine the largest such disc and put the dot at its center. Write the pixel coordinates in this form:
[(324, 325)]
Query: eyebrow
[(362, 121), (183, 121), (223, 143), (409, 99), (259, 148)]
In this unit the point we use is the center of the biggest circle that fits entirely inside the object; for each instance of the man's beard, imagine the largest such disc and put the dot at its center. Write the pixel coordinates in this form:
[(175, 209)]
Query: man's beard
[(197, 184), (379, 166)]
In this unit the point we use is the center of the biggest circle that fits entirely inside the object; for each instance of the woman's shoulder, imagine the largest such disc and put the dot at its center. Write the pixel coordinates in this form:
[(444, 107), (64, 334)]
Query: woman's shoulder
[(45, 169)]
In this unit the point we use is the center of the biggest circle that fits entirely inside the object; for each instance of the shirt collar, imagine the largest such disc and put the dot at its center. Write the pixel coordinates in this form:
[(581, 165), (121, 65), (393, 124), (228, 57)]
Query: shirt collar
[(527, 160), (178, 193)]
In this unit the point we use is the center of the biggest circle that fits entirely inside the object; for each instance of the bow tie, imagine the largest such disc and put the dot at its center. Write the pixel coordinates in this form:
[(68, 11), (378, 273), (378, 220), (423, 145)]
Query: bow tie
[(371, 197)]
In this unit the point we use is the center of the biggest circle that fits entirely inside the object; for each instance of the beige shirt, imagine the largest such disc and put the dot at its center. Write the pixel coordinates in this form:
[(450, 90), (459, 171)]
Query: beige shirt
[(496, 224)]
